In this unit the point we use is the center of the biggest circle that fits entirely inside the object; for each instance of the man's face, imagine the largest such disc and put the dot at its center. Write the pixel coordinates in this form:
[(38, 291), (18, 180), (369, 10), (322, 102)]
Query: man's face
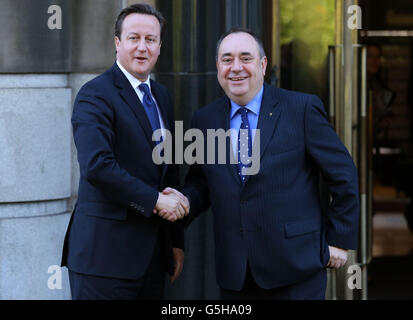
[(140, 44), (373, 59), (240, 69)]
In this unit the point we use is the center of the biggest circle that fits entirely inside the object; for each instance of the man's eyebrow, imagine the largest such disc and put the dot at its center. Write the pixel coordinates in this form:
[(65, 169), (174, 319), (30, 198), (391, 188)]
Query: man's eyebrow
[(246, 53), (136, 33)]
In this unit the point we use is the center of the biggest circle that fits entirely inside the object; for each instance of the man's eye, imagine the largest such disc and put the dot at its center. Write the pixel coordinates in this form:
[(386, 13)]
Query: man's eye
[(227, 60), (246, 59), (133, 38)]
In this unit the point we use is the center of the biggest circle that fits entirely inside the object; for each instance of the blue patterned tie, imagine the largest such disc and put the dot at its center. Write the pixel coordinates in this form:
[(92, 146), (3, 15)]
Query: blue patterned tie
[(243, 161), (150, 107)]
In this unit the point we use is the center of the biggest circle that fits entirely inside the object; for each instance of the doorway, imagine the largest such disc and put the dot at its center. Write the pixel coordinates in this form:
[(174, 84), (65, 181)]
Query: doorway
[(388, 34)]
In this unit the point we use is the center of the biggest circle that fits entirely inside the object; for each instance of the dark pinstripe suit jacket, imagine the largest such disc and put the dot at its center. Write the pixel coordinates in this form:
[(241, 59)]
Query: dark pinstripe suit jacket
[(275, 221)]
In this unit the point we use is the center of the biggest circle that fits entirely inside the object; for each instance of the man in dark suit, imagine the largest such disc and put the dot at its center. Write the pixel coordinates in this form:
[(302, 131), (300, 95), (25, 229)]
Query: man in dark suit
[(272, 239), (115, 246)]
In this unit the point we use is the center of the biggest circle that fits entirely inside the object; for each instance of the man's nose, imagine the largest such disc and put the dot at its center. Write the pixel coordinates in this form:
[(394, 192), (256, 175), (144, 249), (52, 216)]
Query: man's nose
[(141, 45), (236, 65)]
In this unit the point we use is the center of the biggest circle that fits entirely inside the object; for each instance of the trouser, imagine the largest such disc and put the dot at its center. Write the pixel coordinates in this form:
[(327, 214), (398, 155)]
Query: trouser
[(148, 287), (312, 288)]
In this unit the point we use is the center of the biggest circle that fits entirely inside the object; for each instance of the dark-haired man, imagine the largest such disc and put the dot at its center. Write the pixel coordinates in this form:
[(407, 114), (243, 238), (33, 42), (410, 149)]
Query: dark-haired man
[(271, 239), (115, 246)]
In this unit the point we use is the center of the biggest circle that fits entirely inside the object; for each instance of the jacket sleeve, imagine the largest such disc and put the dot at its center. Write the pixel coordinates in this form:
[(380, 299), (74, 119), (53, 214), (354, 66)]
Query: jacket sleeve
[(93, 130), (339, 172)]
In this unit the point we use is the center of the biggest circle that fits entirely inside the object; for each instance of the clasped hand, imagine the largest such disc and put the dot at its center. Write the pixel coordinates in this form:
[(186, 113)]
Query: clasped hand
[(171, 205), (338, 257)]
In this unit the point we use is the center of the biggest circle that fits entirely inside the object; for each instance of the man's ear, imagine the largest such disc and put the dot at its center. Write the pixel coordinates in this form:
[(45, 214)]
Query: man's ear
[(264, 64)]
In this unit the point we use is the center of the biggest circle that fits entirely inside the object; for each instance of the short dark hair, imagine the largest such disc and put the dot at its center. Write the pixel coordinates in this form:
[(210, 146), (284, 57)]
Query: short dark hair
[(239, 30), (142, 8), (376, 45)]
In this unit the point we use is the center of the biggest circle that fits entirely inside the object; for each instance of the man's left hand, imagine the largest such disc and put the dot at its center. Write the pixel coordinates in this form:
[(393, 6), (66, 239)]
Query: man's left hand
[(338, 257), (179, 262)]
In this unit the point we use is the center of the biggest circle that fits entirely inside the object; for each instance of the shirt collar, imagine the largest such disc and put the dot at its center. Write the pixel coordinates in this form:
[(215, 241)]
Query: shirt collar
[(133, 81), (254, 105)]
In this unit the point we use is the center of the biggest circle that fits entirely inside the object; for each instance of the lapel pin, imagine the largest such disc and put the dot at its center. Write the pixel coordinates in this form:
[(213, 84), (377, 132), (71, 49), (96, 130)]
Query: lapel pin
[(270, 114)]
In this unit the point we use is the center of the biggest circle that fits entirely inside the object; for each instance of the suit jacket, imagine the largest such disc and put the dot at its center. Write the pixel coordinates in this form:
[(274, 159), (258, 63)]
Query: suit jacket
[(112, 231), (275, 220)]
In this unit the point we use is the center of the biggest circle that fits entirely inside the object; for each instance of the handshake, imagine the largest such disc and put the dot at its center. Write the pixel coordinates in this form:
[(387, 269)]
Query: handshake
[(171, 205)]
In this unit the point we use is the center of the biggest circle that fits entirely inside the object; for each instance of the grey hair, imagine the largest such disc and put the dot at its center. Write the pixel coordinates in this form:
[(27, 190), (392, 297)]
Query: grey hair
[(239, 30)]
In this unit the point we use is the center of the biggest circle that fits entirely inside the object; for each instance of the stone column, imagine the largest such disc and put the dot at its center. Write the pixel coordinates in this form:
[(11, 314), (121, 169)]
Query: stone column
[(41, 71), (35, 183)]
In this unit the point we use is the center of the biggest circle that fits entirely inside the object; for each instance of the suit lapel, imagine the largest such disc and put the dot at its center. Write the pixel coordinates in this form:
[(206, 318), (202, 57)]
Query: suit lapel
[(162, 103), (222, 121), (267, 120), (129, 95)]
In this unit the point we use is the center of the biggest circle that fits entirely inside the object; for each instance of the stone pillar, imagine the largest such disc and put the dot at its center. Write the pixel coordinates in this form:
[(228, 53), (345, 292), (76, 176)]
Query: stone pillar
[(38, 182), (35, 183), (41, 71)]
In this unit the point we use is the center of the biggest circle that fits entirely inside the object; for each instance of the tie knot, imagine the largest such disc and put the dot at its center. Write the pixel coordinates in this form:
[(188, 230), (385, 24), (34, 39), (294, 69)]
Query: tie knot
[(144, 88), (243, 111)]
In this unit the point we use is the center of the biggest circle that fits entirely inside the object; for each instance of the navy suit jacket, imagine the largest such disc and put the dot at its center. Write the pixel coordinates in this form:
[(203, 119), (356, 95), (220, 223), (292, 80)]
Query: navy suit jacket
[(112, 231), (275, 220)]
